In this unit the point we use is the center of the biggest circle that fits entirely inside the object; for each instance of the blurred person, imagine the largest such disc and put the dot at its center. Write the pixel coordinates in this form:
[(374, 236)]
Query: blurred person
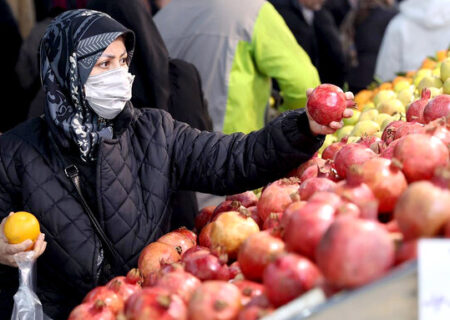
[(238, 47), (317, 33), (363, 31), (98, 174), (25, 14), (160, 82), (419, 30)]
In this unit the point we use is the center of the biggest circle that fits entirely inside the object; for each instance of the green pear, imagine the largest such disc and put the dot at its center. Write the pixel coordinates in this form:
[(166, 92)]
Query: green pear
[(353, 119), (370, 114), (382, 117), (365, 127), (445, 70), (368, 106), (429, 82), (353, 139), (420, 74), (406, 96), (391, 107), (446, 86), (401, 85), (384, 95), (436, 92), (344, 131)]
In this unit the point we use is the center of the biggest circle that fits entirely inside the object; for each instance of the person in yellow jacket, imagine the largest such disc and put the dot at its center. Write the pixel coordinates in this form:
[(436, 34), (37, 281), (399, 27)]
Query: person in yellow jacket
[(238, 47)]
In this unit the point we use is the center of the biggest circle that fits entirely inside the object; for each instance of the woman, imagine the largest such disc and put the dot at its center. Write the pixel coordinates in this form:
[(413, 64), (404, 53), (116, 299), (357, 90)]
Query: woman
[(125, 162)]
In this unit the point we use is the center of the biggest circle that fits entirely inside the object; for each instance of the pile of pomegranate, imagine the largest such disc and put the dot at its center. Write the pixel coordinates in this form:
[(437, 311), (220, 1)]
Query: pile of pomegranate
[(335, 223)]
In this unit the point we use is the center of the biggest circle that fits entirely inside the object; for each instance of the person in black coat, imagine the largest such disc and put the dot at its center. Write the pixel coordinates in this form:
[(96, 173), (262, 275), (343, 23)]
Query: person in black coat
[(99, 174), (160, 82), (363, 31), (316, 32)]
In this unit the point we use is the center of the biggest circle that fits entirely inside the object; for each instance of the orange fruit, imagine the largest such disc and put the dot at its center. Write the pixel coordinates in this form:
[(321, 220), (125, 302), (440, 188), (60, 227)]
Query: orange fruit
[(21, 226), (428, 63), (441, 55)]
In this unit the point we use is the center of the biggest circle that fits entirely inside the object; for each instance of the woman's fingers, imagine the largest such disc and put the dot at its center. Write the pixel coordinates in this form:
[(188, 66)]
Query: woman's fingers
[(39, 245), (309, 91), (336, 125), (20, 247), (347, 113), (349, 95)]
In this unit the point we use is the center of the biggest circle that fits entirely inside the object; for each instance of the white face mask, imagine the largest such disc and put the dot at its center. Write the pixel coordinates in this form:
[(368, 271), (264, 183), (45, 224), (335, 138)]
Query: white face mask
[(108, 92)]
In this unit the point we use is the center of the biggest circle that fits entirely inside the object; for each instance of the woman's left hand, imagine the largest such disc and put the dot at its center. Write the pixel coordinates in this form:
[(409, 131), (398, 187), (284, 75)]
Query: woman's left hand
[(317, 128)]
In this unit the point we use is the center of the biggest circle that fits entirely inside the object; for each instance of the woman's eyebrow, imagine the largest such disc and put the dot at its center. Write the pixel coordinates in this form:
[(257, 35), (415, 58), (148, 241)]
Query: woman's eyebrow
[(111, 56)]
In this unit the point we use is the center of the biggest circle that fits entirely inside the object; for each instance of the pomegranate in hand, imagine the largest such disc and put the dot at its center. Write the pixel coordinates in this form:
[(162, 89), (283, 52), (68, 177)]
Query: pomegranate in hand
[(326, 104)]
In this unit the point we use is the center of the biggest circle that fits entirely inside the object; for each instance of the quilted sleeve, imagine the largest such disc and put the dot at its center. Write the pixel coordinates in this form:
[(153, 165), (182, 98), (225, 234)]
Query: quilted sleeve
[(226, 164), (6, 184)]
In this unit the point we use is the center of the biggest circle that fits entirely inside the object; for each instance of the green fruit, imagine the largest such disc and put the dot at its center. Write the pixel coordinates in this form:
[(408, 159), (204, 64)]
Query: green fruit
[(420, 75), (406, 96), (353, 119), (368, 106), (391, 107), (445, 70), (435, 92), (365, 127), (384, 95), (382, 117), (329, 139), (370, 114), (344, 131), (446, 86), (401, 85), (429, 82)]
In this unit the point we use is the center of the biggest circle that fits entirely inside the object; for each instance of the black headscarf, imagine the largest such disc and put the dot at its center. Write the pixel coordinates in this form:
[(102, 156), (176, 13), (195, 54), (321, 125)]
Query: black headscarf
[(150, 63), (69, 50)]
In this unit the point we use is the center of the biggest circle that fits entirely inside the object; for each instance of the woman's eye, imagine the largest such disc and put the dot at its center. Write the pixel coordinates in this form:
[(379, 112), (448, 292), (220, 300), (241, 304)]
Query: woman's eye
[(124, 60), (103, 64)]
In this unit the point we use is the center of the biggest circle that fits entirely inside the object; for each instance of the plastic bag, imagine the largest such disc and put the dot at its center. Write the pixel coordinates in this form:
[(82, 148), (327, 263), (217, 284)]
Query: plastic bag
[(27, 305)]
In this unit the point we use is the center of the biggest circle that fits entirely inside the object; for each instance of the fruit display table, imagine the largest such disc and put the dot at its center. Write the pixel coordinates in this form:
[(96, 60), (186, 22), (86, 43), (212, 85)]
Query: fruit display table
[(391, 298)]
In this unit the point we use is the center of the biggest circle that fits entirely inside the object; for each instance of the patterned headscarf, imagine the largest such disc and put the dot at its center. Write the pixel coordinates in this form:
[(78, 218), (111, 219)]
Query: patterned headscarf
[(69, 50)]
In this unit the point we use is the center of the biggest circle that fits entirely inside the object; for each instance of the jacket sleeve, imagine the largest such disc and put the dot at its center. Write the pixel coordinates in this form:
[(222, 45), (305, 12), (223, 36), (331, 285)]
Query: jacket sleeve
[(389, 60), (225, 164), (278, 55)]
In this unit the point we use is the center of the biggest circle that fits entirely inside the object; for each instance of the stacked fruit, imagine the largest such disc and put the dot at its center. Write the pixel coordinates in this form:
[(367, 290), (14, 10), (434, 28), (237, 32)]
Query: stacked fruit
[(388, 102)]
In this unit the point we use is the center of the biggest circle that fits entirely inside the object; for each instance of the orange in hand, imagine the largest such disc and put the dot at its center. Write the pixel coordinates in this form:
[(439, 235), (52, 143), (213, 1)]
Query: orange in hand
[(21, 226)]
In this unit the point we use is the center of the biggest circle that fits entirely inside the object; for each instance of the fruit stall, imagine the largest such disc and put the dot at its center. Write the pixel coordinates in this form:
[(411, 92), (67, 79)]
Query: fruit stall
[(337, 238)]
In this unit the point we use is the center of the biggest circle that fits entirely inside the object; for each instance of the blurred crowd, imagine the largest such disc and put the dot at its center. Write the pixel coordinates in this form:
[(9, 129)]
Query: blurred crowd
[(248, 54)]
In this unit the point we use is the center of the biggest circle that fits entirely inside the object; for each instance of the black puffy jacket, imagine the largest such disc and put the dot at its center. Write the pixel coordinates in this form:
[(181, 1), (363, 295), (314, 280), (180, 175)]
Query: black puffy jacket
[(136, 174)]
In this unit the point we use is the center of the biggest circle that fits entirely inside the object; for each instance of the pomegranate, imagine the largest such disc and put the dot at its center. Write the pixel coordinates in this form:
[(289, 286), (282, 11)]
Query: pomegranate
[(307, 227), (385, 179), (409, 128), (203, 217), (235, 270), (247, 198), (253, 211), (215, 300), (249, 290), (368, 141), (361, 195), (154, 255), (315, 161), (122, 287), (193, 250), (254, 313), (392, 226), (205, 266), (178, 241), (351, 154), (389, 132), (388, 152), (179, 282), (155, 303), (272, 221), (204, 238), (277, 196), (330, 151), (229, 231), (348, 209), (415, 109), (441, 177), (422, 210), (310, 172), (188, 233), (92, 310), (326, 103), (134, 276), (327, 197), (411, 151), (354, 252), (447, 230), (257, 252), (310, 186), (406, 251), (113, 301), (436, 108), (288, 277), (285, 219), (225, 206)]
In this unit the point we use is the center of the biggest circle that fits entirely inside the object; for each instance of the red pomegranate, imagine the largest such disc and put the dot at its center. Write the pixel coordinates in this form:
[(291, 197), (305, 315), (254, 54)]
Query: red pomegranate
[(330, 151), (411, 151), (204, 238), (154, 255), (441, 177), (92, 310), (285, 219), (123, 287), (205, 266), (215, 300), (253, 212), (447, 230), (178, 241), (247, 198), (257, 252), (229, 230), (315, 161), (288, 277), (249, 289), (113, 301), (388, 152), (389, 132), (310, 186), (415, 109), (436, 108), (307, 227), (179, 282), (188, 233), (254, 313), (409, 128), (354, 252), (327, 197), (155, 303), (351, 154), (225, 206), (277, 196), (348, 209), (406, 251), (326, 103), (368, 141), (361, 195), (134, 276), (203, 217), (422, 210), (385, 179), (272, 221), (235, 270)]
